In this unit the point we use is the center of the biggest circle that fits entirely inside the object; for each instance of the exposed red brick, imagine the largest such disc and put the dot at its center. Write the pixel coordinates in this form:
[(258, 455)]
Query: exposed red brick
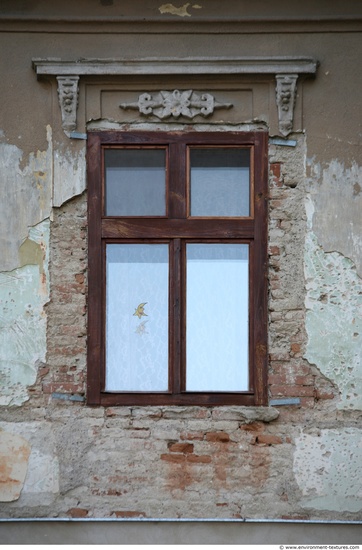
[(114, 492), (268, 439), (323, 395), (192, 436), (275, 250), (67, 351), (275, 168), (253, 427), (276, 203), (289, 378), (203, 459), (173, 457), (293, 391), (111, 412), (295, 347), (77, 512), (217, 436), (279, 356), (277, 379), (181, 448), (69, 329), (293, 367), (79, 277), (304, 380), (307, 402), (202, 413)]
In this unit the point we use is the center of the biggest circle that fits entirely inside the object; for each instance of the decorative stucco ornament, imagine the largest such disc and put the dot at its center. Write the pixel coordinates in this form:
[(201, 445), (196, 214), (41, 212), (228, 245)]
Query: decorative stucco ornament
[(286, 89), (68, 100), (186, 103)]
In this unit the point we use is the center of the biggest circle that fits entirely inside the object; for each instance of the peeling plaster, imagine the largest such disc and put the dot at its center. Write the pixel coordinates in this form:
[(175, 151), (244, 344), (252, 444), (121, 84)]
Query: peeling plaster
[(28, 193), (24, 281), (328, 469), (69, 172), (23, 294), (337, 196), (334, 318), (181, 11)]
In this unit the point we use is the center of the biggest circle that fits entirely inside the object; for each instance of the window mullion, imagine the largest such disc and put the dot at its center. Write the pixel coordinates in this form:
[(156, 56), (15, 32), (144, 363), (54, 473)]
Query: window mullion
[(177, 181), (175, 316)]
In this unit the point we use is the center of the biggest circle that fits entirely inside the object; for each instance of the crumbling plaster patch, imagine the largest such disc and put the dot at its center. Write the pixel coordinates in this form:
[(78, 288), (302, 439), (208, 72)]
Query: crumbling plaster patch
[(334, 317), (23, 294), (14, 456), (337, 196), (41, 484), (28, 197), (69, 171), (328, 469), (48, 178)]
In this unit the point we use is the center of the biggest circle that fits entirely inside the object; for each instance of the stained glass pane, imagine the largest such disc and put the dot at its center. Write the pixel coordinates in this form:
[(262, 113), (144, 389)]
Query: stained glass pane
[(217, 317), (135, 182), (137, 317), (219, 182)]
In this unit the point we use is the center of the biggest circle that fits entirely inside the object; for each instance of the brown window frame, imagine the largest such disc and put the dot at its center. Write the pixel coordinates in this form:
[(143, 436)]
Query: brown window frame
[(177, 228)]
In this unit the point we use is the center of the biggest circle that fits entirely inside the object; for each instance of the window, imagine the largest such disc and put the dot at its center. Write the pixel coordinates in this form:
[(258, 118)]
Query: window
[(177, 308)]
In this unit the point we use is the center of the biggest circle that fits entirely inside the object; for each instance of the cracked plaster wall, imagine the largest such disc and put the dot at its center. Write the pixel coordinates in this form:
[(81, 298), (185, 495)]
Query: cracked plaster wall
[(334, 289), (27, 184), (23, 294)]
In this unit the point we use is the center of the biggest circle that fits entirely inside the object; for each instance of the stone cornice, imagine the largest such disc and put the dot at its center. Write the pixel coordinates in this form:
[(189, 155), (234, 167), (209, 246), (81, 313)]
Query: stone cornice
[(168, 65)]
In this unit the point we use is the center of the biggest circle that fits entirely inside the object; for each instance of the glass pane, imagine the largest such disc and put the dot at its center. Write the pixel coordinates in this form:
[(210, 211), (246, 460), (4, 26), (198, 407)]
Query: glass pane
[(219, 182), (135, 181), (137, 317), (217, 317)]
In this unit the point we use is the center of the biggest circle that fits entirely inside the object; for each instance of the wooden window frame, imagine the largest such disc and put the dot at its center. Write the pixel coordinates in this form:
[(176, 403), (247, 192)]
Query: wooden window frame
[(177, 228)]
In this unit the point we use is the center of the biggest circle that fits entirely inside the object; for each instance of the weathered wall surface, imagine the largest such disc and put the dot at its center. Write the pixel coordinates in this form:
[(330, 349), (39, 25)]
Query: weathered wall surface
[(59, 457)]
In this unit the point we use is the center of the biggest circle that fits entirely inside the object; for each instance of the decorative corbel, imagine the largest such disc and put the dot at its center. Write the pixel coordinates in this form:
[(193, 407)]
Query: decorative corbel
[(186, 103), (68, 100), (286, 89)]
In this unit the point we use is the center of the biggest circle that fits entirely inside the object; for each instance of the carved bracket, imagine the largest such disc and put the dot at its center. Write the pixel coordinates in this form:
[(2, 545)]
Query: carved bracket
[(68, 100), (286, 90), (185, 103)]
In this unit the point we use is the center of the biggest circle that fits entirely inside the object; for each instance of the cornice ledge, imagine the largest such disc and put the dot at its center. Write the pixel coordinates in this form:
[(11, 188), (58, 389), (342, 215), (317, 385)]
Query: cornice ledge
[(286, 71), (168, 65)]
